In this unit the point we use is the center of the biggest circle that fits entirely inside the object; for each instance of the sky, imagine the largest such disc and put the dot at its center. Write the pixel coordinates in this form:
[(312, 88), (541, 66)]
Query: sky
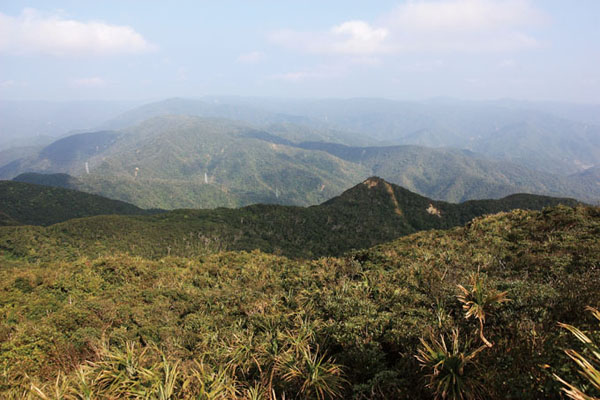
[(408, 50)]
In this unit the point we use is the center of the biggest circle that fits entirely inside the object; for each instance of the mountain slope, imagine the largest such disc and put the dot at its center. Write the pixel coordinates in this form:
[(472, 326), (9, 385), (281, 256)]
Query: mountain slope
[(277, 122), (372, 212), (509, 131), (44, 205), (456, 175), (255, 320), (189, 162), (178, 161), (68, 155), (65, 181)]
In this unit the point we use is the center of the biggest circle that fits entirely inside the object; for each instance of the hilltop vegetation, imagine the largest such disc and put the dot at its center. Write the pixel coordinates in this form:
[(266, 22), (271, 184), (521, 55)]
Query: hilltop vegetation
[(372, 212), (238, 324), (25, 203)]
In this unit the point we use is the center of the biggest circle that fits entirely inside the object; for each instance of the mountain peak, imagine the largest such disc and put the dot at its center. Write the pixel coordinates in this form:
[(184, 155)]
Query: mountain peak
[(373, 181)]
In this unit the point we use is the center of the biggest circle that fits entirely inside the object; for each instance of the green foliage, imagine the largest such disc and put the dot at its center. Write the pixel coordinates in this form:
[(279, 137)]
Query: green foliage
[(264, 326), (588, 363), (478, 300), (181, 161), (372, 212), (454, 370), (44, 205)]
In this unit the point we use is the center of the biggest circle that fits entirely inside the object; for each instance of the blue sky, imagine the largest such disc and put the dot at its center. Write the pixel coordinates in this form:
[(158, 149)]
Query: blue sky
[(149, 50)]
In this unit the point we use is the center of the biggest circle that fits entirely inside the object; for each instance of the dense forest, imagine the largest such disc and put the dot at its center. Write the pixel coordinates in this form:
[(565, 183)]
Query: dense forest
[(370, 213)]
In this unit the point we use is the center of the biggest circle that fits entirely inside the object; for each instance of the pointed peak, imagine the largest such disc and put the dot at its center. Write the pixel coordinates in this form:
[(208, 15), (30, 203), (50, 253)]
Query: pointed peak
[(373, 181), (376, 189)]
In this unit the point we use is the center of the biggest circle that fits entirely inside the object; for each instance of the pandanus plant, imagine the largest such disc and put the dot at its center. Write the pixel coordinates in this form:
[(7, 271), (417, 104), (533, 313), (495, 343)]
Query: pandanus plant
[(453, 369), (588, 362), (479, 300)]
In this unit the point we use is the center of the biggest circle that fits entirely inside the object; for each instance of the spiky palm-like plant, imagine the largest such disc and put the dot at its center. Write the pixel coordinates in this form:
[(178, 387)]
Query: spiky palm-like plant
[(453, 371), (59, 391), (478, 301), (210, 384), (588, 365), (318, 377)]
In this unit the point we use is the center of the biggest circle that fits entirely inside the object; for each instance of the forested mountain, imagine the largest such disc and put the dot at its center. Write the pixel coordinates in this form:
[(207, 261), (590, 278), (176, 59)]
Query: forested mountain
[(190, 162), (372, 212), (178, 161), (456, 175), (56, 180), (554, 138), (291, 125), (27, 203), (529, 134)]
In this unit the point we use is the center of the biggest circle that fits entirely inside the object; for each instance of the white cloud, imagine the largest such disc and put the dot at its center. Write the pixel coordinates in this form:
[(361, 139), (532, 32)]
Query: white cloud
[(92, 82), (354, 38), (251, 58), (463, 15), (35, 33), (426, 26), (11, 83), (358, 38)]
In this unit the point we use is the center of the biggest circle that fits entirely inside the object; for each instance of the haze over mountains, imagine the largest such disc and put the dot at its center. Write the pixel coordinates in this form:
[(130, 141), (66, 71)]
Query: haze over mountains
[(237, 151)]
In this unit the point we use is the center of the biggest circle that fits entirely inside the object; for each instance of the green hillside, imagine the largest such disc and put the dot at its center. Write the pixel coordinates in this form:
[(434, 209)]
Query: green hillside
[(6, 220), (44, 205), (65, 155), (56, 180), (456, 175), (532, 135), (252, 325), (188, 162), (370, 213)]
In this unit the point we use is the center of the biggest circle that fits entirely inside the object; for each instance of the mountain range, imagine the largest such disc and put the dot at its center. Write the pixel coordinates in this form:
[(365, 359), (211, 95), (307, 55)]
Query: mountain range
[(372, 212), (228, 151), (191, 162)]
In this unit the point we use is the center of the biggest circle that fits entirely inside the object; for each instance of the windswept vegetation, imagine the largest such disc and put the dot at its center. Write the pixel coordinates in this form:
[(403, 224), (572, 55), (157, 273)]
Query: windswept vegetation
[(366, 325)]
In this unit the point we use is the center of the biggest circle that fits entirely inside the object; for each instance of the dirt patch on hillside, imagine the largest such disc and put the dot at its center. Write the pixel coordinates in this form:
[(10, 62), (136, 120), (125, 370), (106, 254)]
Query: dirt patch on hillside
[(434, 211)]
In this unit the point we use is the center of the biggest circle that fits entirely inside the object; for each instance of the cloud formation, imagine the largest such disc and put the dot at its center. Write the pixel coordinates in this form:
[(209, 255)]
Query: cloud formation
[(35, 33), (426, 26)]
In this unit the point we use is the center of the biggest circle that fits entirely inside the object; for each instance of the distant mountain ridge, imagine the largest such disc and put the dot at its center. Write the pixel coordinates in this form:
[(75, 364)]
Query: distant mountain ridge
[(371, 212), (534, 135), (26, 203), (190, 162)]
